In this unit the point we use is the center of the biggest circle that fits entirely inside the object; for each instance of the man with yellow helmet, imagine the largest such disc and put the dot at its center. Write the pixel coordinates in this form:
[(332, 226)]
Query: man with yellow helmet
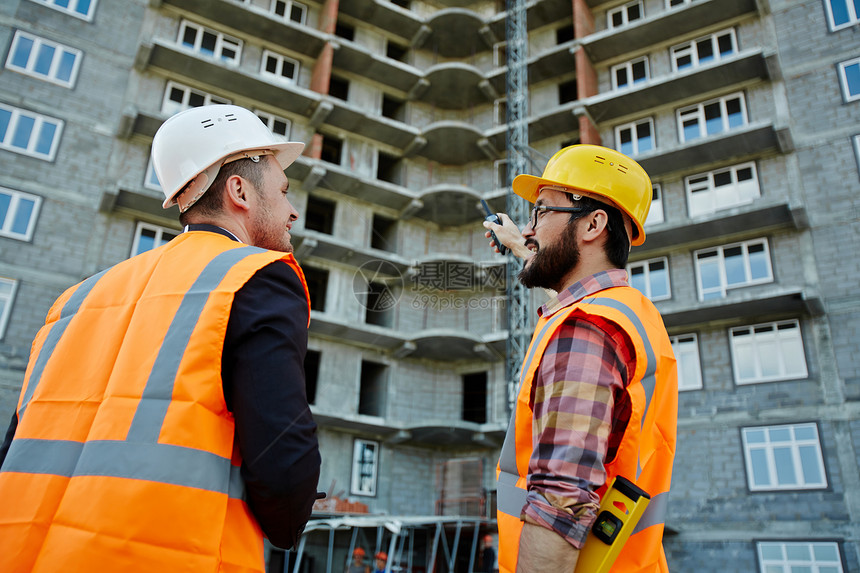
[(598, 388)]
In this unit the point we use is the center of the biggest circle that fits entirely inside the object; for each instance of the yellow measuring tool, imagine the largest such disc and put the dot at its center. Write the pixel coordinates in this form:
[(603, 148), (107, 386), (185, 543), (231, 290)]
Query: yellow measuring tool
[(620, 509)]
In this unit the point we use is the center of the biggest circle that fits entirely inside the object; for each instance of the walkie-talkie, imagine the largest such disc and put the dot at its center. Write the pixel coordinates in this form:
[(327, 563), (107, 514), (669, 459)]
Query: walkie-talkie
[(494, 218), (620, 509)]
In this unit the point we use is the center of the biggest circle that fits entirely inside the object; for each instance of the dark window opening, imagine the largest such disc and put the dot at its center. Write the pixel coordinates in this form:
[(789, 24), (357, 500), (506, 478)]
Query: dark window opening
[(475, 397), (570, 142), (396, 51), (345, 31), (339, 88), (401, 3), (383, 234), (332, 149), (319, 215), (389, 168), (371, 395), (380, 305), (567, 91), (312, 371), (393, 108), (317, 280), (564, 34)]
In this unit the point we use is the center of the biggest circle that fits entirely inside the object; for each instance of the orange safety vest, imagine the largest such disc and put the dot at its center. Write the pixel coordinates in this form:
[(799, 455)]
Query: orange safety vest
[(124, 456), (647, 447)]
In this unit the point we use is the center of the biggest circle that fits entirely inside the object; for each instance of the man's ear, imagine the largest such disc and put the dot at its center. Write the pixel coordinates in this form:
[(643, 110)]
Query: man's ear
[(236, 192), (594, 223)]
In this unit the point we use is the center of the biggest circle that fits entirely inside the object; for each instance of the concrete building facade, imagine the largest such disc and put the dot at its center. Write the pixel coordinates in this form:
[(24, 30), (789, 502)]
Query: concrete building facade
[(746, 114)]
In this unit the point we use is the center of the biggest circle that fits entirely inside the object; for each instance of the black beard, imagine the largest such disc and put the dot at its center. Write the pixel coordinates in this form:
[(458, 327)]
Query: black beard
[(550, 264)]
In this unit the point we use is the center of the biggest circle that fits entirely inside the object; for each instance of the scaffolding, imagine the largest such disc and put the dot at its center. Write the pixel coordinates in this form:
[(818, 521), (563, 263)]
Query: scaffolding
[(517, 142)]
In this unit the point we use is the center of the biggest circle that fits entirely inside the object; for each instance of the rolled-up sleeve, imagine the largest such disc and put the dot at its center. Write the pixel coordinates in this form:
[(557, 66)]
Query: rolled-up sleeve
[(581, 378), (264, 387)]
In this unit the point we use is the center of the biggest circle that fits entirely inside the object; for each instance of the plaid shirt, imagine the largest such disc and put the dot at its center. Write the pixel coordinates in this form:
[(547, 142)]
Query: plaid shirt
[(580, 412)]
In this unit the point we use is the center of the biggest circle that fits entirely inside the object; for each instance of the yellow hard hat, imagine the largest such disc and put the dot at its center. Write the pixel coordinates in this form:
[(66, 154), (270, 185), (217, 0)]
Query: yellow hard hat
[(599, 172)]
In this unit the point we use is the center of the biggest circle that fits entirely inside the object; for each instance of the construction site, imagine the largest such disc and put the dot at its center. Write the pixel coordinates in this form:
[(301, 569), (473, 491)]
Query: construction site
[(745, 114)]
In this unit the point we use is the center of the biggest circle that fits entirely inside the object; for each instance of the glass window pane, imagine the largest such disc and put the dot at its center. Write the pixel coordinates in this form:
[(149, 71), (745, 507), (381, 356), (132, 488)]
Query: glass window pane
[(852, 79), (758, 464), (725, 44), (288, 69), (44, 59), (634, 13), (754, 436), (21, 137), (196, 100), (840, 11), (780, 434), (208, 44), (22, 52), (621, 77), (46, 137), (83, 7), (705, 50), (271, 64), (784, 466), (146, 241), (735, 270), (825, 552), (691, 129), (67, 64), (5, 200), (797, 551), (758, 263), (804, 433), (801, 569), (190, 37), (22, 215), (771, 551), (713, 119), (809, 464)]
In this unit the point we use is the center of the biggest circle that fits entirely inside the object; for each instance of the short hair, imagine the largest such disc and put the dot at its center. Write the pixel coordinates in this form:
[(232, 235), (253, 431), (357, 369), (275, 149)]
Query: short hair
[(212, 201), (617, 246)]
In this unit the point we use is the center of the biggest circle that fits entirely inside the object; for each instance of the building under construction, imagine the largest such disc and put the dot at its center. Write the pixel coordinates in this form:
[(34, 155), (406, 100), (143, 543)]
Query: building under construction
[(746, 114)]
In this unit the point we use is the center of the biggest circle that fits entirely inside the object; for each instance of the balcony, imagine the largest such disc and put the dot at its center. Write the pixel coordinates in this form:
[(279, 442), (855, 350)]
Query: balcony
[(455, 85), (773, 304), (457, 33), (450, 205), (388, 17), (744, 67), (539, 13), (176, 61), (344, 115), (754, 139), (557, 61), (667, 24), (357, 59), (253, 23), (437, 344), (456, 143), (750, 220), (307, 243)]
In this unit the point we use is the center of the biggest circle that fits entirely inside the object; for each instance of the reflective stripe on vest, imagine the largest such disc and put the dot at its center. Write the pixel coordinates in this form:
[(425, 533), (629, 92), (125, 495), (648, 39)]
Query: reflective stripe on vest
[(139, 456)]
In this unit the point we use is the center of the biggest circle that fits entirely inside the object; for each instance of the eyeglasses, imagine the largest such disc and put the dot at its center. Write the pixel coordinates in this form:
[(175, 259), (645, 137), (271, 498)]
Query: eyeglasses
[(533, 221)]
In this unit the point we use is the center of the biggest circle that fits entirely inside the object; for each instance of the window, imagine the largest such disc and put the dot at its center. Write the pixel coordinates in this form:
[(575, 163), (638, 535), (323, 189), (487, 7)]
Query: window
[(564, 34), (277, 125), (148, 237), (339, 88), (179, 98), (389, 168), (319, 215), (393, 108), (29, 133), (317, 280), (18, 213), (655, 213), (475, 397), (800, 556), (625, 14), (312, 374), (151, 180), (630, 73), (345, 31), (46, 60), (288, 10), (783, 457), (365, 458), (567, 91), (732, 266), (842, 13), (396, 51), (79, 8), (651, 278), (332, 149), (371, 394), (7, 295), (379, 304), (712, 117), (209, 42), (635, 138), (704, 50), (383, 233), (849, 76), (721, 189), (686, 349), (279, 67), (675, 3), (767, 352)]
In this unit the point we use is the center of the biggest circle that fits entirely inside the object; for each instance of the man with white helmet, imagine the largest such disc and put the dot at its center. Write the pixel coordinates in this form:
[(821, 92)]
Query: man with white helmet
[(163, 423), (598, 388)]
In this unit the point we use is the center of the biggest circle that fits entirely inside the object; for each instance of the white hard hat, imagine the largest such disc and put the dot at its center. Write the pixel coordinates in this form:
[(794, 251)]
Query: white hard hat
[(191, 147)]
